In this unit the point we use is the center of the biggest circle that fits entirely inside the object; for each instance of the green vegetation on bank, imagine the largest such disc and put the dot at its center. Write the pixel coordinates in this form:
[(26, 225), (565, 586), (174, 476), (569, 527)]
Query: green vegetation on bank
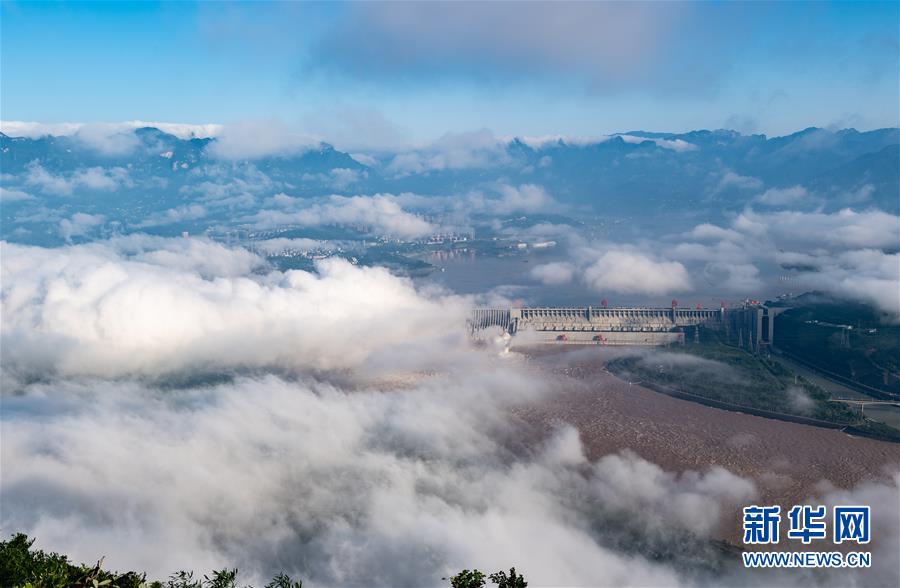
[(22, 566), (730, 374), (844, 338), (712, 369)]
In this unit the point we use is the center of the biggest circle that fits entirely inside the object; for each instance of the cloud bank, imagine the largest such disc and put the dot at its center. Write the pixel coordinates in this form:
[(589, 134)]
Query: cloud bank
[(104, 310), (254, 139), (630, 272), (339, 488), (852, 254), (335, 426), (381, 213), (118, 348), (92, 178), (35, 130)]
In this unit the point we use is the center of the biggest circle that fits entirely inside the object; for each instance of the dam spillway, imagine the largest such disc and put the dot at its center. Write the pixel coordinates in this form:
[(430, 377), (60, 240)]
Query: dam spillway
[(627, 326)]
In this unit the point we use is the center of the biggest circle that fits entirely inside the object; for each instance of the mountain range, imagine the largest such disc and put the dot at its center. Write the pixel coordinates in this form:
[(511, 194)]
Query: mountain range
[(146, 172)]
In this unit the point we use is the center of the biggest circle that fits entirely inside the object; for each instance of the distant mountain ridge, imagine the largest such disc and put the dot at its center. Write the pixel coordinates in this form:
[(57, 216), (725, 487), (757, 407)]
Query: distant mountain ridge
[(61, 152), (699, 175)]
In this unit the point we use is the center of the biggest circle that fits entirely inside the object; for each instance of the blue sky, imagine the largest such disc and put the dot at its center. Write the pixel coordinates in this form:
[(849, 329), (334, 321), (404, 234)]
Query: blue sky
[(396, 72)]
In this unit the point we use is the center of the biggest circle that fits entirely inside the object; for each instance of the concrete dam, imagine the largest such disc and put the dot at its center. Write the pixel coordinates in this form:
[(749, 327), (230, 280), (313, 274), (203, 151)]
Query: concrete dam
[(752, 326)]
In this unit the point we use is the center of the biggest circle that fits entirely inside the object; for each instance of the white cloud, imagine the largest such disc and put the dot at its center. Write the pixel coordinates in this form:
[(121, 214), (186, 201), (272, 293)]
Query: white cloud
[(339, 487), (453, 151), (339, 178), (882, 497), (678, 145), (180, 214), (553, 274), (43, 180), (356, 129), (93, 310), (344, 177), (92, 178), (230, 185), (868, 275), (783, 196), (505, 199), (846, 228), (98, 178), (721, 251), (524, 198), (207, 259), (737, 277), (380, 213), (324, 472), (253, 139), (497, 199), (862, 194), (632, 272), (364, 159), (12, 195), (848, 253), (541, 141), (731, 180), (79, 224), (112, 139), (608, 45), (707, 231), (34, 130), (329, 478)]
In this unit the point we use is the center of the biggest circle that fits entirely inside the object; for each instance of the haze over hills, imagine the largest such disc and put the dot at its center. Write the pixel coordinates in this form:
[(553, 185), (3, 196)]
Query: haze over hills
[(129, 175), (735, 215)]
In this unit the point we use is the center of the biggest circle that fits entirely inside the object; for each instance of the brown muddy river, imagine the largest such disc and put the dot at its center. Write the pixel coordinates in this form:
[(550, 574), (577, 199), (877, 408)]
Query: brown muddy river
[(789, 462)]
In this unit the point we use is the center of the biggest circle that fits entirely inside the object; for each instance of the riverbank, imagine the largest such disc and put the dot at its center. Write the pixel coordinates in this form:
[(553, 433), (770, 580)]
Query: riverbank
[(789, 462)]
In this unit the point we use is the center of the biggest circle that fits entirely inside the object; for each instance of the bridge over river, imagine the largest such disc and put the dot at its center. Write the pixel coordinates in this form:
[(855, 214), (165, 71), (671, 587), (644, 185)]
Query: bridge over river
[(752, 325)]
